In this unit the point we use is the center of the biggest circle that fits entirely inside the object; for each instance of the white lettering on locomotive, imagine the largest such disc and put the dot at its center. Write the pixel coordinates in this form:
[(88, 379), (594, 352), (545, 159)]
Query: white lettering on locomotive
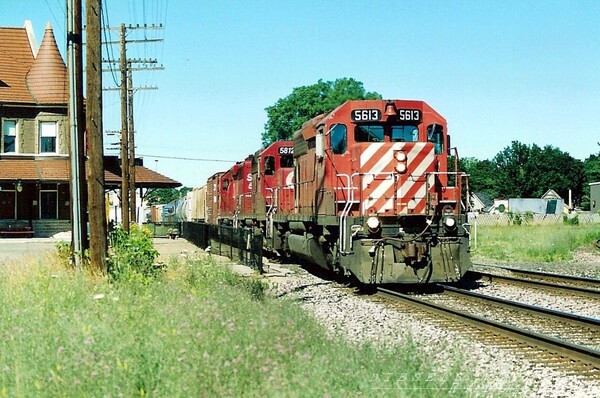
[(409, 115)]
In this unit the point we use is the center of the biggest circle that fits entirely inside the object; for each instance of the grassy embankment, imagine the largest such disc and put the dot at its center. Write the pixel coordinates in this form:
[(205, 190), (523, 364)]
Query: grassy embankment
[(196, 330), (533, 243)]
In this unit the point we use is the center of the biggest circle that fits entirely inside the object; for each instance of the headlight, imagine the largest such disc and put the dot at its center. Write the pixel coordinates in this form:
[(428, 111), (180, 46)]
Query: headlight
[(401, 167), (400, 156), (450, 222), (373, 223)]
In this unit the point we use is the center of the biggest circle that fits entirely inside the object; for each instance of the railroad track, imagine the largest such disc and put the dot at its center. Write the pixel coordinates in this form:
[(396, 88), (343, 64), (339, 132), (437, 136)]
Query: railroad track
[(581, 286), (560, 340)]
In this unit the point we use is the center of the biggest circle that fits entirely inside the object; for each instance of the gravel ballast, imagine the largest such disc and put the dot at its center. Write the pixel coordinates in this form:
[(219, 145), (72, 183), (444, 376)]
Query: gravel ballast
[(360, 319)]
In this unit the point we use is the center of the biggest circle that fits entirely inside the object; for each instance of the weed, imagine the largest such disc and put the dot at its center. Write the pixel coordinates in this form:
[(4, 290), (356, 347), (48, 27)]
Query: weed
[(132, 255)]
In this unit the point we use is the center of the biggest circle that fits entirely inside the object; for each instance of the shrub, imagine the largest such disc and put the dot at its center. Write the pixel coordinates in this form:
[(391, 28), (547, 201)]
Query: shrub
[(132, 255), (571, 220), (64, 251), (520, 218), (514, 218)]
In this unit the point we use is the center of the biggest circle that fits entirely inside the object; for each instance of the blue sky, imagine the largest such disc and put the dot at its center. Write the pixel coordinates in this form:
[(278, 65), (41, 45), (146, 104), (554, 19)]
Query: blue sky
[(499, 71)]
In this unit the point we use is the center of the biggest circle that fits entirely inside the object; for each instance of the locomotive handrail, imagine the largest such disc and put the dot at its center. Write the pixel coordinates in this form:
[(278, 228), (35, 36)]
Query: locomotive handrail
[(457, 184), (345, 211), (272, 197), (270, 211)]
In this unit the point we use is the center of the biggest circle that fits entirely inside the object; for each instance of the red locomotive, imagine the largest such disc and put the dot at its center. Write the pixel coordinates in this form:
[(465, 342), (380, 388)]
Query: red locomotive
[(365, 190)]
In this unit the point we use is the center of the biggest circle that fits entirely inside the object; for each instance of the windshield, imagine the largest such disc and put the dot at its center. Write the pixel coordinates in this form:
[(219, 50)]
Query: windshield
[(387, 133), (405, 134), (435, 134)]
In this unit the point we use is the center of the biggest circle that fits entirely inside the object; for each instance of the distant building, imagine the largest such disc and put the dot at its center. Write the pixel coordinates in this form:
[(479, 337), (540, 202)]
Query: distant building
[(595, 197), (481, 202), (549, 203)]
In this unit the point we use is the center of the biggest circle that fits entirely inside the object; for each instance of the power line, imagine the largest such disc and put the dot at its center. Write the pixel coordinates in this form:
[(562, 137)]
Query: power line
[(181, 158), (109, 49)]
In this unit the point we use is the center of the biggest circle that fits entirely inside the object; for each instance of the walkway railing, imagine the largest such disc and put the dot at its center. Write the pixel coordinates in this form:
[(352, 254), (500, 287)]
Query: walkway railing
[(243, 245)]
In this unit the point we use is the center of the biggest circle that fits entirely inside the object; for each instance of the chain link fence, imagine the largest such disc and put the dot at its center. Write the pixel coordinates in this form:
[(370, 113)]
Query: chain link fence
[(531, 219)]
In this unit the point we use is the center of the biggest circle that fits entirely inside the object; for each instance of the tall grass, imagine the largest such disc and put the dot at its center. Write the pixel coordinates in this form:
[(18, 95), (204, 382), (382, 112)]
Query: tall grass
[(196, 330), (534, 243)]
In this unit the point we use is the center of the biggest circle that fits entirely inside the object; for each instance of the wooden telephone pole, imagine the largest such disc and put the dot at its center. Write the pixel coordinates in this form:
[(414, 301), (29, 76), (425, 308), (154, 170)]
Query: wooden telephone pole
[(124, 136), (131, 146), (95, 170), (127, 144)]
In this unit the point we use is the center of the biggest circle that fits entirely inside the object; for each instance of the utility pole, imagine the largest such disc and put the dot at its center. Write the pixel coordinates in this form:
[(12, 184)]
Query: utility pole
[(77, 132), (131, 145), (95, 170), (124, 136), (128, 194), (81, 129)]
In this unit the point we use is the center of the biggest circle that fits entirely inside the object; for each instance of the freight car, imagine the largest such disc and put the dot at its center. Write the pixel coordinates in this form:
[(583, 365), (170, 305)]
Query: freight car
[(369, 190)]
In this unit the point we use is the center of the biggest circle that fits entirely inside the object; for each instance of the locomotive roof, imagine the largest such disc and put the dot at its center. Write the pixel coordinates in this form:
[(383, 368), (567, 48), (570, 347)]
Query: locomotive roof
[(309, 128)]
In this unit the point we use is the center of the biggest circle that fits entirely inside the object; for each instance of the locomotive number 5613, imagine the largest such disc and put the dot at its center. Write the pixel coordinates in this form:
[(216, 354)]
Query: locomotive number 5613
[(409, 115), (366, 115)]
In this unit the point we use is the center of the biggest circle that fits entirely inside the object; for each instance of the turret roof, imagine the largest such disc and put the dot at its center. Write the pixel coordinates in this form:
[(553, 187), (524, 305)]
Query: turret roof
[(29, 79), (47, 78)]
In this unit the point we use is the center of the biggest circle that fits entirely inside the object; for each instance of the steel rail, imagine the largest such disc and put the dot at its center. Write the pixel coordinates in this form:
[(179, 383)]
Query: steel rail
[(589, 357), (563, 280), (581, 320), (490, 276), (589, 282)]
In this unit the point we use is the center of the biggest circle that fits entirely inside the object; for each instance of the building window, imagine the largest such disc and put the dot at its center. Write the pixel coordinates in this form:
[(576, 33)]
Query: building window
[(48, 134), (9, 131), (48, 202)]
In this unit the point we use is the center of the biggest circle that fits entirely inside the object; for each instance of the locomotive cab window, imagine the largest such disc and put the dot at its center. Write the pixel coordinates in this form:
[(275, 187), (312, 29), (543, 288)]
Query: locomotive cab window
[(286, 161), (338, 139), (270, 165), (405, 134), (369, 133), (435, 135)]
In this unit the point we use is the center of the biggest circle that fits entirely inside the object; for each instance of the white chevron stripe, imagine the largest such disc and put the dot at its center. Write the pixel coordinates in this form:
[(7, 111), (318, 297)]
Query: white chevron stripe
[(368, 153), (417, 173), (379, 167)]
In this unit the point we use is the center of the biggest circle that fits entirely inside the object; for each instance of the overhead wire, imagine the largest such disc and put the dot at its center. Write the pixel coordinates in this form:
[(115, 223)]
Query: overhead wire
[(135, 16), (186, 158), (58, 25), (108, 46)]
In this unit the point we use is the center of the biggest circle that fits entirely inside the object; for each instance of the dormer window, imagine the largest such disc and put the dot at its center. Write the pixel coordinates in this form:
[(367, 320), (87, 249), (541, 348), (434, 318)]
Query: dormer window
[(9, 132), (48, 134)]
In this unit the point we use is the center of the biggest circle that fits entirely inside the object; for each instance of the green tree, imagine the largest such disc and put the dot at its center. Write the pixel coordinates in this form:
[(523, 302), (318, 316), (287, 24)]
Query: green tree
[(528, 172), (482, 175), (512, 177), (306, 102), (550, 168), (592, 168), (161, 196)]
